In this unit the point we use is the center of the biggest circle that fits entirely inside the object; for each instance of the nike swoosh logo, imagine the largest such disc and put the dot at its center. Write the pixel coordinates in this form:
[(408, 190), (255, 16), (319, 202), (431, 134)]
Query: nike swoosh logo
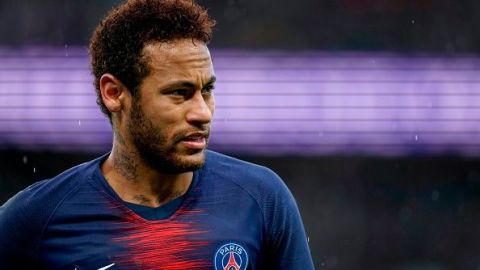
[(106, 267)]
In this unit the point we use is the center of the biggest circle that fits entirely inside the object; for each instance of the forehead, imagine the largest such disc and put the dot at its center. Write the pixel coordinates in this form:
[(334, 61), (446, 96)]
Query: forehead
[(178, 55)]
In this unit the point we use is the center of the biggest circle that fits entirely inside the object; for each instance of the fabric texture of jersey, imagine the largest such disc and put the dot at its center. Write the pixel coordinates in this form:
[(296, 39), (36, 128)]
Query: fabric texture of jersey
[(234, 216)]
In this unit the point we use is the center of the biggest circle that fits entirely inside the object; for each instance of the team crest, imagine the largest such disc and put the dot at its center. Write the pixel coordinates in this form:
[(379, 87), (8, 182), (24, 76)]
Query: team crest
[(231, 257)]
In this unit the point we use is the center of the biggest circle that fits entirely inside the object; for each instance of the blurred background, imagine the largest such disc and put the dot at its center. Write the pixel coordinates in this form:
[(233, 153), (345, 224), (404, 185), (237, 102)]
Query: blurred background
[(368, 110)]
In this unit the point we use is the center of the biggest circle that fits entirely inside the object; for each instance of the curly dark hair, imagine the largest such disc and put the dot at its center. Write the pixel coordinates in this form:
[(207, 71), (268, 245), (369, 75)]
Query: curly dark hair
[(117, 42)]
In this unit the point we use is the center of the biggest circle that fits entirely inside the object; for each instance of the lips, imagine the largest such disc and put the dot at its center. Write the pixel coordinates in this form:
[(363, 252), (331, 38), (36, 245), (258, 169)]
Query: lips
[(196, 136), (196, 140)]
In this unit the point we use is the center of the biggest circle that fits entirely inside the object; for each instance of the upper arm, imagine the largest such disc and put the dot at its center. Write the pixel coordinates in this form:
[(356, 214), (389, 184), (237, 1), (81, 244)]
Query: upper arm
[(287, 244), (17, 233)]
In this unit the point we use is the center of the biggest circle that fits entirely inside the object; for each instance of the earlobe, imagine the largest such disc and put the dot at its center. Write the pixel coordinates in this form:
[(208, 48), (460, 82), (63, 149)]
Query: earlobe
[(111, 90)]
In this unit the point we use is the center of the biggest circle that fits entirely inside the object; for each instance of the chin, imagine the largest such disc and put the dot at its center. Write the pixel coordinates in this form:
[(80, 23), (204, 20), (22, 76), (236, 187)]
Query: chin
[(182, 162), (196, 159)]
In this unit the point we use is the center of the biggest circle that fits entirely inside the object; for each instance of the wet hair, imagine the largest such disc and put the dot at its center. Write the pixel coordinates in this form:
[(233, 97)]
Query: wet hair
[(117, 43)]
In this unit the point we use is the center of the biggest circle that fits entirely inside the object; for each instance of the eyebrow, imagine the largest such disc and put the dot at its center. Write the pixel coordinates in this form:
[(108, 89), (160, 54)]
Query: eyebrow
[(188, 84), (210, 82)]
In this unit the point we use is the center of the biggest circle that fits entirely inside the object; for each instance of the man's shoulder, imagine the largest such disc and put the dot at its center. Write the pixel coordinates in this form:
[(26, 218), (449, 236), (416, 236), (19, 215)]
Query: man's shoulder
[(237, 167), (40, 198), (256, 179), (24, 217), (58, 184)]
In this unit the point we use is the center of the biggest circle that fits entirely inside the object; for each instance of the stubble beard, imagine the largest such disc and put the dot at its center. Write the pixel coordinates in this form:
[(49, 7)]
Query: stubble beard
[(153, 146)]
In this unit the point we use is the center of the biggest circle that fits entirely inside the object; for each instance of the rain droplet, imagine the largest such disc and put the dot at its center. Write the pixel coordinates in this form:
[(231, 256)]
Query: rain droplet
[(308, 239), (25, 159), (449, 47), (435, 195), (66, 50), (34, 170), (79, 123), (416, 137), (413, 21)]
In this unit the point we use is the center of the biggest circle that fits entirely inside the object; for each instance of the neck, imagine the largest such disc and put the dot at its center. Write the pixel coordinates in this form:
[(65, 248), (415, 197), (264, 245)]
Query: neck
[(136, 182)]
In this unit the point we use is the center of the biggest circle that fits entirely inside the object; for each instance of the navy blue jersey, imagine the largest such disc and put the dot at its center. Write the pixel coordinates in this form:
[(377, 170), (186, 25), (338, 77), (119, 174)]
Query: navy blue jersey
[(234, 216)]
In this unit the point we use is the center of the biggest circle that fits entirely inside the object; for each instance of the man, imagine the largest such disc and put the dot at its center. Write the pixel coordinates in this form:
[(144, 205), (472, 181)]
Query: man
[(159, 199)]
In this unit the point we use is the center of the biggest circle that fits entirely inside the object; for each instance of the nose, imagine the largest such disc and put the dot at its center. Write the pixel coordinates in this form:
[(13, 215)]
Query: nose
[(201, 109)]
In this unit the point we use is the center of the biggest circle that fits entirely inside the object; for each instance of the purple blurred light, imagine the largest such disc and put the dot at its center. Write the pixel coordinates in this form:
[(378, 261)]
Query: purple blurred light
[(267, 103)]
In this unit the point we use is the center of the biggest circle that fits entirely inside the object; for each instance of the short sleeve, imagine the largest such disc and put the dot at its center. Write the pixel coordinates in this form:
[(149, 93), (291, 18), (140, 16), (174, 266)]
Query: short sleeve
[(19, 231), (287, 242)]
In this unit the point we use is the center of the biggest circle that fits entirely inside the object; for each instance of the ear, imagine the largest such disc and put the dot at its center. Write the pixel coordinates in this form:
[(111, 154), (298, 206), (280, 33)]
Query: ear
[(113, 92)]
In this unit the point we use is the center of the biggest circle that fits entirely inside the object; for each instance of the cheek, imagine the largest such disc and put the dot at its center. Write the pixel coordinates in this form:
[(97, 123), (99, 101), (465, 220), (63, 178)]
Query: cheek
[(169, 125), (211, 104), (164, 116), (160, 125)]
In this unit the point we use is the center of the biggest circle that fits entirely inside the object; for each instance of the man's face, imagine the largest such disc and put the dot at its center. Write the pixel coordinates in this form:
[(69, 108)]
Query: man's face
[(169, 119)]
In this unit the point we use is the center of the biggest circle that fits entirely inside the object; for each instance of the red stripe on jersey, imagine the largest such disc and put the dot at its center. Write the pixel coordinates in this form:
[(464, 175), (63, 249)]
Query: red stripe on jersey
[(163, 244)]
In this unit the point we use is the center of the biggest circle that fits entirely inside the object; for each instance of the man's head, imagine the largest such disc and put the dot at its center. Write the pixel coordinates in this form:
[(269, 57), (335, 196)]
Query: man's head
[(154, 79), (117, 44)]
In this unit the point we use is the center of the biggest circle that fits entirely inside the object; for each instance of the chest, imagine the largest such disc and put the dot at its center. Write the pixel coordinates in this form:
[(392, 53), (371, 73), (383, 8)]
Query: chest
[(221, 237)]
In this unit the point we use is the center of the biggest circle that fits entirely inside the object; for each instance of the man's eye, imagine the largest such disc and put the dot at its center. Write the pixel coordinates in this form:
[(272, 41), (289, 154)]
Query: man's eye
[(179, 92), (207, 90)]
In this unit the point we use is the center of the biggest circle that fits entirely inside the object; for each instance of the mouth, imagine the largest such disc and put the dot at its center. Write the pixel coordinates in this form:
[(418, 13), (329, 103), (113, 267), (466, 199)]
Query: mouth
[(196, 140)]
